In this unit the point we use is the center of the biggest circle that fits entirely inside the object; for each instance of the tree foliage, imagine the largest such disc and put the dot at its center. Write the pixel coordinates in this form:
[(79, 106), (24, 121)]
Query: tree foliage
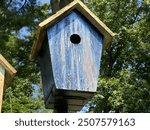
[(124, 84), (18, 22)]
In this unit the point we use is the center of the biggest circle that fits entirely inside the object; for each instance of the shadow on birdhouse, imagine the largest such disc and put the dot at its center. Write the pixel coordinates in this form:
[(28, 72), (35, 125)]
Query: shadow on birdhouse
[(69, 45)]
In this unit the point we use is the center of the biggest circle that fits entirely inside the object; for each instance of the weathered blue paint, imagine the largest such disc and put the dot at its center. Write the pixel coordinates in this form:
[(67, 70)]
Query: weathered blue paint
[(75, 66)]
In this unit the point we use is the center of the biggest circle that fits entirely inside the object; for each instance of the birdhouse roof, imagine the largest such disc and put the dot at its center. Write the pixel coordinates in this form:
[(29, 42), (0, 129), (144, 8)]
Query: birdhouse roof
[(10, 71), (75, 5)]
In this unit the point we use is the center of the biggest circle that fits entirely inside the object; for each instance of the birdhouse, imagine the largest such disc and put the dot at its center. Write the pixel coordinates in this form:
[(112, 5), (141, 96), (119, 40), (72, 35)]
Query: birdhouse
[(69, 45), (7, 72)]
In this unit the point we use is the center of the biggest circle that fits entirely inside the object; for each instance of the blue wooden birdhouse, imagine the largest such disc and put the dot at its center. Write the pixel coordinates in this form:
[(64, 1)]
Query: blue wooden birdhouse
[(69, 45)]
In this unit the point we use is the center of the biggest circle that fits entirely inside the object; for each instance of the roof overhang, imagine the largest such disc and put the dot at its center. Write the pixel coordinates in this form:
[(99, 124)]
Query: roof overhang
[(10, 71), (78, 5)]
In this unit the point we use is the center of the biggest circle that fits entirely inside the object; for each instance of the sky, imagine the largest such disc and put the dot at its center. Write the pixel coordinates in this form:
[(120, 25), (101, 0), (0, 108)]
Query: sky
[(24, 31), (47, 1)]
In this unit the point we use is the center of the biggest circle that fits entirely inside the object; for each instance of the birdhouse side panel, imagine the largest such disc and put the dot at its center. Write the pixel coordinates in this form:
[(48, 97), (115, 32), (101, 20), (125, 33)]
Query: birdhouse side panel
[(2, 78), (46, 70), (75, 49)]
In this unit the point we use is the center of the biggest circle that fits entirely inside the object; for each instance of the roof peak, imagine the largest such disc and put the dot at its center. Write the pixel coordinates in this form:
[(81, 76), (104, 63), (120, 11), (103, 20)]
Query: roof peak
[(82, 8)]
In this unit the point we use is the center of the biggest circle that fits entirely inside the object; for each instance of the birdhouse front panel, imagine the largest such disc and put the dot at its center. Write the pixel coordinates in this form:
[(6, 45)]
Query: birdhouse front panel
[(75, 52)]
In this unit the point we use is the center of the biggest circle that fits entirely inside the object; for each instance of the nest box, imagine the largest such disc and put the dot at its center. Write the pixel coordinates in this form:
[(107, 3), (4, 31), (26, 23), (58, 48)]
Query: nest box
[(69, 45), (7, 72)]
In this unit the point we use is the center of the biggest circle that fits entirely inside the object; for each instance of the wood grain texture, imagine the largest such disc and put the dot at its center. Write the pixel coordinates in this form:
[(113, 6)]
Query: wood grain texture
[(53, 95), (71, 108), (75, 99), (46, 70), (10, 71), (2, 77), (7, 66), (75, 66), (78, 5)]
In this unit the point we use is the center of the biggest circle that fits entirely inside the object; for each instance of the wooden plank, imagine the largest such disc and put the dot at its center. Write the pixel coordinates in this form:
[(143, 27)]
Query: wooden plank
[(46, 70), (7, 66), (71, 108), (2, 77), (74, 101), (10, 71), (77, 65), (69, 93), (76, 4), (74, 108), (37, 45)]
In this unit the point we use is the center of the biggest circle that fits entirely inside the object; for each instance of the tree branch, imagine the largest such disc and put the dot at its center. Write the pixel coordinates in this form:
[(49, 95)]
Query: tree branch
[(25, 2), (9, 3)]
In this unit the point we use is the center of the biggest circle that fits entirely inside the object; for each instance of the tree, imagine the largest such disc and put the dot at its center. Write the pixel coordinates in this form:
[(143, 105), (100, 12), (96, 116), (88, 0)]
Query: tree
[(124, 84), (22, 95)]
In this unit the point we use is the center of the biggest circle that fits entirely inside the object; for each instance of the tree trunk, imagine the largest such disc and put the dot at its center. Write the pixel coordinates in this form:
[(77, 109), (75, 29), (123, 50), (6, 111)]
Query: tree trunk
[(63, 3), (56, 5)]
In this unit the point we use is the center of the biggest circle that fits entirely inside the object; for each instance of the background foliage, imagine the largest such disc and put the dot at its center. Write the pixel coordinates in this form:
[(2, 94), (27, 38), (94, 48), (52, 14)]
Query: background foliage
[(124, 84), (18, 22)]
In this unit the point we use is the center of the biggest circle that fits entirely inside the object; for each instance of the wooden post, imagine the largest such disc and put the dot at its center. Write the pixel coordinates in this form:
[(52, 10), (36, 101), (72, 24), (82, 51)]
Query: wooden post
[(2, 76), (61, 106)]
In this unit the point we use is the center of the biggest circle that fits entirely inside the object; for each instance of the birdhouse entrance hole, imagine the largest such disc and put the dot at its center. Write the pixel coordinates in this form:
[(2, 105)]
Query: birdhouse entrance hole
[(75, 39)]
